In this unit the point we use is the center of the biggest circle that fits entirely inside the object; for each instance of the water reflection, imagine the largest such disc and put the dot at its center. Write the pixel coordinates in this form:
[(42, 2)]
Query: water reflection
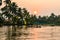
[(18, 33)]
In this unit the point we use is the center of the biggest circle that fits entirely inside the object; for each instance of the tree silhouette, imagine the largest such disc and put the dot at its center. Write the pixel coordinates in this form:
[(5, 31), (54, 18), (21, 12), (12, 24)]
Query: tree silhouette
[(8, 1), (51, 18), (0, 2), (19, 16)]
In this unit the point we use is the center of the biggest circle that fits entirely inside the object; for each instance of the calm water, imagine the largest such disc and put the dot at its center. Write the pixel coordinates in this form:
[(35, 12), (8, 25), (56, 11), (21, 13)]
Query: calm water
[(44, 33)]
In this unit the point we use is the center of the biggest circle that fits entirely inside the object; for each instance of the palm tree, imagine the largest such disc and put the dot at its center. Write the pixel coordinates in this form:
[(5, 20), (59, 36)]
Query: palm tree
[(8, 1), (1, 19), (32, 19), (51, 19), (13, 8), (20, 17), (19, 12), (25, 16), (0, 2), (7, 11)]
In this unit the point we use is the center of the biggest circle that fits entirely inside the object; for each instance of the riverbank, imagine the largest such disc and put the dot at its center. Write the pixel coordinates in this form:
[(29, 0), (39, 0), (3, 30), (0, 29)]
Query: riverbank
[(30, 26)]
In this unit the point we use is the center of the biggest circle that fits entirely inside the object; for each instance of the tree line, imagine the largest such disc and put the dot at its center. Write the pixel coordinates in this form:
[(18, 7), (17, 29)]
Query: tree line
[(11, 14)]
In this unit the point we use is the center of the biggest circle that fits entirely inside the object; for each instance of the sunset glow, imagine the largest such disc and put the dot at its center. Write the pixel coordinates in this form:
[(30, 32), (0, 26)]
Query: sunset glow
[(44, 7), (35, 12), (29, 19)]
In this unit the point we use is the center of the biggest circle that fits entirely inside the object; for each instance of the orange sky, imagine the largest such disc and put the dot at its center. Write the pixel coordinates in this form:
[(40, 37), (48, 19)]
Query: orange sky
[(41, 7)]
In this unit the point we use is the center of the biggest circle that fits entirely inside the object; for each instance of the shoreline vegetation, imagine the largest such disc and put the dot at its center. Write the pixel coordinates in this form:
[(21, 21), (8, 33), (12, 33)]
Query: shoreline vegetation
[(11, 14), (18, 18)]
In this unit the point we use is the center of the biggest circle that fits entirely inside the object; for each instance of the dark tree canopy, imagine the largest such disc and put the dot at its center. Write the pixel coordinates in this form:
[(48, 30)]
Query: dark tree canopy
[(14, 15), (0, 2)]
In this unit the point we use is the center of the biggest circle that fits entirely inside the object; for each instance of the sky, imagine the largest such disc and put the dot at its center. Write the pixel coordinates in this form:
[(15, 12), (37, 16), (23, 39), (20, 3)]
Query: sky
[(40, 7)]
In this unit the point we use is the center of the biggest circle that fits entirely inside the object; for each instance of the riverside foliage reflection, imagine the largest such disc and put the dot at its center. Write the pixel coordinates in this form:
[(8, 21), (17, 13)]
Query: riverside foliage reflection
[(16, 16)]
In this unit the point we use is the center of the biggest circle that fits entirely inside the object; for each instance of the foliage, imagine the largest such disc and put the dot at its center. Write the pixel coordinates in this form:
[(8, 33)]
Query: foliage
[(14, 15)]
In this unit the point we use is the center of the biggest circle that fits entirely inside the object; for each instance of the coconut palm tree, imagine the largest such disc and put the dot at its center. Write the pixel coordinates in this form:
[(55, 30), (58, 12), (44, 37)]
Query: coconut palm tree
[(0, 2), (25, 15), (7, 11)]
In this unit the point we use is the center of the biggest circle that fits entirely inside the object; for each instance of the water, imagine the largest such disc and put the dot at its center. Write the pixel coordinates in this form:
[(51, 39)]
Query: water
[(44, 33)]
